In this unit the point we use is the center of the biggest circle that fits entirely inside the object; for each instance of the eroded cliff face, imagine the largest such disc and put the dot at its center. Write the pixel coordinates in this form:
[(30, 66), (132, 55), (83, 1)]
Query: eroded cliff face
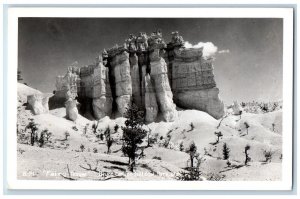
[(150, 74), (193, 82), (120, 67), (150, 100), (69, 82), (102, 98), (135, 79), (159, 74)]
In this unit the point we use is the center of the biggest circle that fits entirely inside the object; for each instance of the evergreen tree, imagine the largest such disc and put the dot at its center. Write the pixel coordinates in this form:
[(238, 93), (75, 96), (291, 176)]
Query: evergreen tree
[(247, 158), (218, 134), (33, 134), (42, 139), (226, 151), (247, 126), (133, 133), (109, 139), (95, 126), (192, 151)]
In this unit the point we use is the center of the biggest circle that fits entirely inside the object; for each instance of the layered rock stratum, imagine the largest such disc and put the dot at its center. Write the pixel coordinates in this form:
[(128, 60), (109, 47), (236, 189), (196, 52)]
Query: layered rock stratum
[(148, 72)]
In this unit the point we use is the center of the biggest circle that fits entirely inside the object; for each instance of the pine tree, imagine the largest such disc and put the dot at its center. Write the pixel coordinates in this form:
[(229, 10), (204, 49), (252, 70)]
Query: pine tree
[(247, 158), (226, 151), (192, 150), (95, 126), (218, 134), (108, 138), (133, 133), (33, 134), (247, 126), (42, 139)]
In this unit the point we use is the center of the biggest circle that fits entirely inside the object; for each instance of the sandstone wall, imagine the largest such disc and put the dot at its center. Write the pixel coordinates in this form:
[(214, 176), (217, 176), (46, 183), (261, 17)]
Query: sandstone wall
[(87, 81), (149, 73), (69, 82), (120, 67), (150, 100), (102, 99), (193, 82), (159, 74), (135, 79), (142, 63)]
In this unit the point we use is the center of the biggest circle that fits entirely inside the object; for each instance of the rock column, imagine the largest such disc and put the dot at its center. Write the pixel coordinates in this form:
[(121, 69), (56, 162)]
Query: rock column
[(102, 99), (120, 67), (159, 74), (135, 79), (71, 107), (150, 100)]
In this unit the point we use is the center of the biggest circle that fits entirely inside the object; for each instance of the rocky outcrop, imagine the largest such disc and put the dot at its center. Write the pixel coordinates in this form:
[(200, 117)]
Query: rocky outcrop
[(135, 79), (70, 82), (71, 107), (155, 76), (206, 100), (38, 103), (120, 67), (150, 100), (236, 109), (159, 74), (193, 82), (102, 99)]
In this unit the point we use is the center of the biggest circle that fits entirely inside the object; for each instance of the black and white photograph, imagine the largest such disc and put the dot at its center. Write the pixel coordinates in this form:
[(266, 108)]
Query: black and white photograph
[(161, 99)]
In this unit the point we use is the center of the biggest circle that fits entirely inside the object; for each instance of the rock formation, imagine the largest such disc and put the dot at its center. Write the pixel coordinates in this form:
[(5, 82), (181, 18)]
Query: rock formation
[(143, 61), (159, 74), (120, 67), (147, 72), (134, 70), (70, 82), (102, 99), (150, 100), (236, 108), (38, 103), (71, 107), (193, 82)]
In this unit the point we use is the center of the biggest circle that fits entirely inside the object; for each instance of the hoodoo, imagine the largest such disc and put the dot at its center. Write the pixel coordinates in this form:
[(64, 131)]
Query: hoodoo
[(154, 75)]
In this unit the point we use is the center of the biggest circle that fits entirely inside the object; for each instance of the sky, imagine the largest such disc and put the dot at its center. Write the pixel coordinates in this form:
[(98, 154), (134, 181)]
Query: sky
[(248, 52)]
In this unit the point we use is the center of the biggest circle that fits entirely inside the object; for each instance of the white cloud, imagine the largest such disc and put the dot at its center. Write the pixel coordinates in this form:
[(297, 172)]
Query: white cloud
[(209, 49), (224, 51)]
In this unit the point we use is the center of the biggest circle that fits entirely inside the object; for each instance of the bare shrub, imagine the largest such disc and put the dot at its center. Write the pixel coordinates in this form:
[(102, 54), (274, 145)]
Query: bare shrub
[(82, 147), (156, 158), (67, 134), (268, 155), (33, 134)]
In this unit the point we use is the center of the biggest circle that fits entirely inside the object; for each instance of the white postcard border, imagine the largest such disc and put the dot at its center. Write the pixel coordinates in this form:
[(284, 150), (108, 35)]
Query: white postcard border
[(285, 13)]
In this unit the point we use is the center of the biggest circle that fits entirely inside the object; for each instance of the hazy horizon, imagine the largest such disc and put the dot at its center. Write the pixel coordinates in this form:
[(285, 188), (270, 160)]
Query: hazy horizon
[(248, 60)]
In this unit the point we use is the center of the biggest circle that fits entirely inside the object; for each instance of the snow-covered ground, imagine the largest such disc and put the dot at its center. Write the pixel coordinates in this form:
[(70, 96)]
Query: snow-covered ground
[(159, 162)]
